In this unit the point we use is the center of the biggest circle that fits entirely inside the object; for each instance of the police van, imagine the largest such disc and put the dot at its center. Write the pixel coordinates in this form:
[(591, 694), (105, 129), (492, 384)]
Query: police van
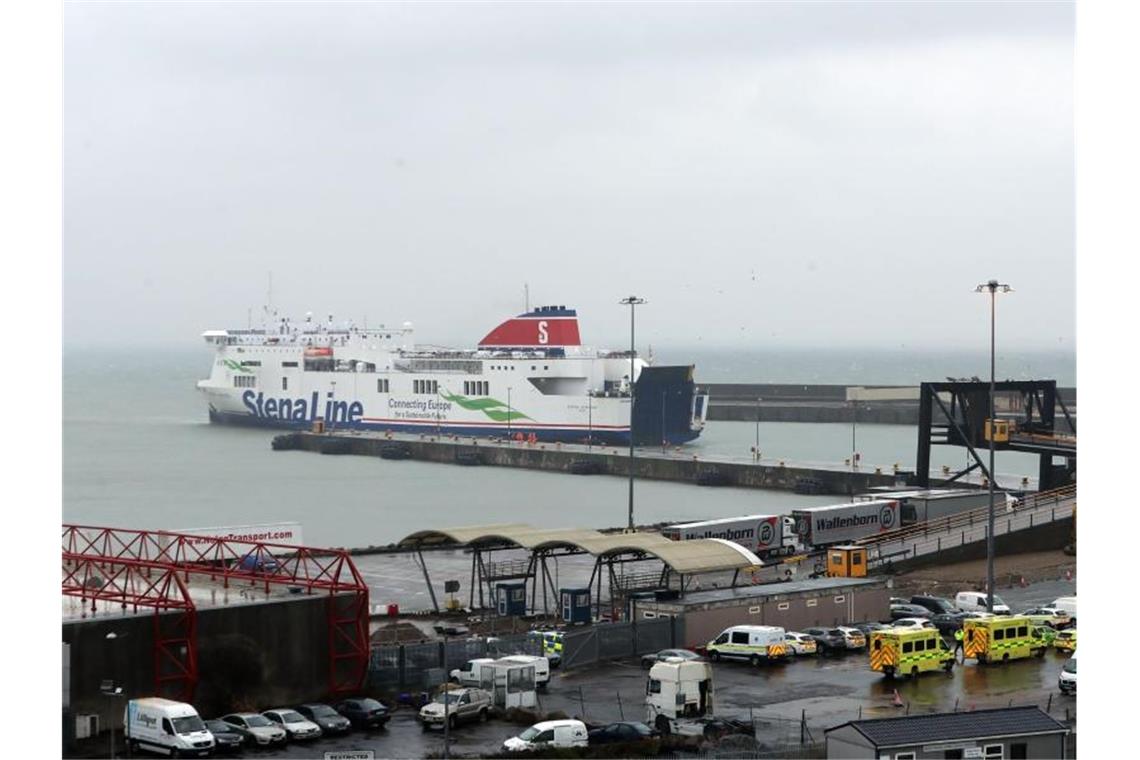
[(1000, 639), (909, 651), (755, 643)]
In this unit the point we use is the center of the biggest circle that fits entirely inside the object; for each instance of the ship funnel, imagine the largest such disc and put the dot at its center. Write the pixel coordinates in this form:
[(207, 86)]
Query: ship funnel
[(542, 327)]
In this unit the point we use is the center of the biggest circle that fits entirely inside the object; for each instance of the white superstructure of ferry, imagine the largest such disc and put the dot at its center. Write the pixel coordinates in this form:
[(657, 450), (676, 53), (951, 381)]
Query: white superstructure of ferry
[(529, 377)]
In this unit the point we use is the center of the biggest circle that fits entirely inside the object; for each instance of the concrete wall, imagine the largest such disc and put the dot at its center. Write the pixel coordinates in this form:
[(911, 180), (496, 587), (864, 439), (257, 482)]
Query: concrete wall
[(1053, 535), (251, 655)]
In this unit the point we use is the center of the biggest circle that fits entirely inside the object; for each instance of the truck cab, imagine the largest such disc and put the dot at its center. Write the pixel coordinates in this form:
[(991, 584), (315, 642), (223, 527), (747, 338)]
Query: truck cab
[(679, 696)]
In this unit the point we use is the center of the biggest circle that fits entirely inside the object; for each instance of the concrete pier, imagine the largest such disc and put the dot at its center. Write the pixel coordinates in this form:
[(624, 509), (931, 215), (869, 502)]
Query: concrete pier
[(672, 465)]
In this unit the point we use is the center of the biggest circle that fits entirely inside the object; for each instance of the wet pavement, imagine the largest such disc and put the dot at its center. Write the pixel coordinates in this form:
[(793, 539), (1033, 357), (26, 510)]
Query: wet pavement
[(827, 690)]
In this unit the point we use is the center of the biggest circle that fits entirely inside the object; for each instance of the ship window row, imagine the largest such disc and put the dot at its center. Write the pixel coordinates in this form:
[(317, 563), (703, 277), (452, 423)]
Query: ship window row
[(382, 385), (288, 364), (244, 381), (476, 388), (251, 363), (503, 366), (430, 387)]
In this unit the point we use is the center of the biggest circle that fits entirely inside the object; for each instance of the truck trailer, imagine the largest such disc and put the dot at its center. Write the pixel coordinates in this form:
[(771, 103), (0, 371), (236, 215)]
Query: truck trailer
[(766, 535), (818, 527), (921, 505)]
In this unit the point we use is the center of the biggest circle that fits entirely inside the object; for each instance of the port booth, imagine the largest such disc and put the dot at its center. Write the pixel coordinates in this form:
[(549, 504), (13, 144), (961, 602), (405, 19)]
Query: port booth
[(628, 563)]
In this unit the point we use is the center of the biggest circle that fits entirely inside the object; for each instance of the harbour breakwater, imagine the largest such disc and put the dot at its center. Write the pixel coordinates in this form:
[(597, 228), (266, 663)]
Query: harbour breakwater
[(580, 459)]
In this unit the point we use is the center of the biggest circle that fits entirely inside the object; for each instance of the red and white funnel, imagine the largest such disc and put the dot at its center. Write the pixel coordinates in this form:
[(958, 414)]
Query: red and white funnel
[(544, 327)]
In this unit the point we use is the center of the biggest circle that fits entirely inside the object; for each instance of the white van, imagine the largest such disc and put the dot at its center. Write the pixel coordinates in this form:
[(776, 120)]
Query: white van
[(975, 601), (755, 643), (166, 727), (541, 667), (470, 673), (1066, 604), (549, 733)]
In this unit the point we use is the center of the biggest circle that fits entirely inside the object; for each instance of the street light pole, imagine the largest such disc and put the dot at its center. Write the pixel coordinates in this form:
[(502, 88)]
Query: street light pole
[(992, 287), (508, 415), (632, 302), (756, 450)]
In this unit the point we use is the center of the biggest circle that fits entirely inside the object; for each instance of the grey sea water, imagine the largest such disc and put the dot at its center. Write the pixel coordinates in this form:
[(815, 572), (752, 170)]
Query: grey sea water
[(139, 452)]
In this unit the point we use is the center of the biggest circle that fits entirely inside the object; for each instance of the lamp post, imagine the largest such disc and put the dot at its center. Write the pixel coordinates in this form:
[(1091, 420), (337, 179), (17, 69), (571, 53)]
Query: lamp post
[(992, 287), (508, 415), (114, 690), (756, 450), (632, 302)]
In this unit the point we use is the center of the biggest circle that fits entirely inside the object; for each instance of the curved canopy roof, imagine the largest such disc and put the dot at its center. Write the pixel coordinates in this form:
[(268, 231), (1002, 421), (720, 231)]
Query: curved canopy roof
[(703, 555)]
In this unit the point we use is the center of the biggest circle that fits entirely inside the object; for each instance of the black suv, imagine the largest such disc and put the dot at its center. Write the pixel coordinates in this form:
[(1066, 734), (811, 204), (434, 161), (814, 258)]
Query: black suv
[(937, 605)]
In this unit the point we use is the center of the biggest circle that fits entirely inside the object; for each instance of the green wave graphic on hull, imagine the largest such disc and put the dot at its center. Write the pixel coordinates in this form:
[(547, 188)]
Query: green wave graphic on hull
[(494, 409)]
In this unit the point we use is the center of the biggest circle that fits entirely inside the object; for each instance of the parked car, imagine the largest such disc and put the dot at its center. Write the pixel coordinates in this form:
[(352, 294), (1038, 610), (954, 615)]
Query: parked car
[(1067, 681), (265, 732), (853, 638), (456, 706), (622, 731), (869, 626), (1050, 616), (296, 725), (908, 611), (936, 604), (948, 622), (228, 739), (363, 712), (828, 640), (1066, 640), (550, 733), (648, 660), (975, 601), (913, 622), (330, 721), (800, 643), (1066, 603)]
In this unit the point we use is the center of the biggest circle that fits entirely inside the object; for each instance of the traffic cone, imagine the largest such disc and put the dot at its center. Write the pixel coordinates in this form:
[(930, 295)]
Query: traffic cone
[(897, 701)]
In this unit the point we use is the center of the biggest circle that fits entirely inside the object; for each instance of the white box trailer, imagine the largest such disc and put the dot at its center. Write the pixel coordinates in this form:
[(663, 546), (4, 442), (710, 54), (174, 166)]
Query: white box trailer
[(766, 535), (840, 523), (509, 682), (931, 504)]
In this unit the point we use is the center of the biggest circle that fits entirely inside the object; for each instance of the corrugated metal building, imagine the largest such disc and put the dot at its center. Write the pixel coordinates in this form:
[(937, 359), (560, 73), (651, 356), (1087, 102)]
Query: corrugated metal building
[(793, 605), (1008, 732)]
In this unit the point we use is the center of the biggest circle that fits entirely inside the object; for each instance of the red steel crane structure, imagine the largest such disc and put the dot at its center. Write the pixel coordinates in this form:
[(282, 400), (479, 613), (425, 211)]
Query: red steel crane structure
[(141, 568)]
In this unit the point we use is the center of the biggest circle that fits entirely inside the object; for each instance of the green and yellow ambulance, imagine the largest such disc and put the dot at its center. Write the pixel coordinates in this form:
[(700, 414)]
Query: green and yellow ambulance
[(909, 651), (1001, 638)]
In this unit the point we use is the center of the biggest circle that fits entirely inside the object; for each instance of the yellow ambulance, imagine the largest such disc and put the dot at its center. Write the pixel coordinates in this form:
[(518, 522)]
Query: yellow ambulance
[(909, 651), (1001, 638)]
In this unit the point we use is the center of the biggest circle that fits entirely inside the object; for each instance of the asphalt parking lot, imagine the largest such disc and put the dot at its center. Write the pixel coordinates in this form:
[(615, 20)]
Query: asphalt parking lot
[(828, 690)]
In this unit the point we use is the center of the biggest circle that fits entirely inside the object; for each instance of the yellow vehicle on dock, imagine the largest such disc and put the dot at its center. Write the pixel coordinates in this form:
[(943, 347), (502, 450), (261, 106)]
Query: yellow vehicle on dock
[(1066, 641), (909, 651), (1001, 638)]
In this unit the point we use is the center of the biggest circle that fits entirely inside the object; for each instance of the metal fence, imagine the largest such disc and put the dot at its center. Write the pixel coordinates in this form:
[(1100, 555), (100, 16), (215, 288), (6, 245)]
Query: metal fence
[(405, 667), (611, 641)]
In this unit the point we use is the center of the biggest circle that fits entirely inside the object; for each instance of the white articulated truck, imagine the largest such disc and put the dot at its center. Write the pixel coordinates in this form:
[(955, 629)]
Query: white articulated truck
[(818, 527), (767, 536)]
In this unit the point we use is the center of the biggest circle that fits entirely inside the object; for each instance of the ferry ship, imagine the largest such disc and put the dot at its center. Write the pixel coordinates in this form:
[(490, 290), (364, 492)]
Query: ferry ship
[(530, 377)]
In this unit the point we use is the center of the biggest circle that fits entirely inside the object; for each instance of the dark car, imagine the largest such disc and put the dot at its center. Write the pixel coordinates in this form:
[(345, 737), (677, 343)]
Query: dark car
[(948, 622), (228, 739), (908, 611), (936, 604), (870, 626), (364, 712), (648, 660), (624, 731), (828, 640), (330, 721)]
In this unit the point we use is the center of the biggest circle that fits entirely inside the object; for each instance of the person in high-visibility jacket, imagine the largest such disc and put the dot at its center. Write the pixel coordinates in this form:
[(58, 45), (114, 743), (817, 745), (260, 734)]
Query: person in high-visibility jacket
[(959, 637)]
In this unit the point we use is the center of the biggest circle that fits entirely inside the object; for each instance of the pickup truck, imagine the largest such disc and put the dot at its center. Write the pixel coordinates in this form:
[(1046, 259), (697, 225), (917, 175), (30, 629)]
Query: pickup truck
[(458, 705)]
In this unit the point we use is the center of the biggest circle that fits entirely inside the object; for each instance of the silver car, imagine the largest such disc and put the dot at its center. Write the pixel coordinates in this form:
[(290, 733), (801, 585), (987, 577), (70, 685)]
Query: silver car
[(456, 706), (296, 725), (265, 732)]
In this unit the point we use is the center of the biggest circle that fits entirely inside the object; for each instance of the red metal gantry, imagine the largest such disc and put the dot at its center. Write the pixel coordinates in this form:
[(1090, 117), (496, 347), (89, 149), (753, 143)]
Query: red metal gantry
[(144, 554)]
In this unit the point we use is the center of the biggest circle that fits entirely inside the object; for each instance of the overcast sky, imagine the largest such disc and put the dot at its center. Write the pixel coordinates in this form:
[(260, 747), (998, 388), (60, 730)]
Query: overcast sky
[(766, 175)]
